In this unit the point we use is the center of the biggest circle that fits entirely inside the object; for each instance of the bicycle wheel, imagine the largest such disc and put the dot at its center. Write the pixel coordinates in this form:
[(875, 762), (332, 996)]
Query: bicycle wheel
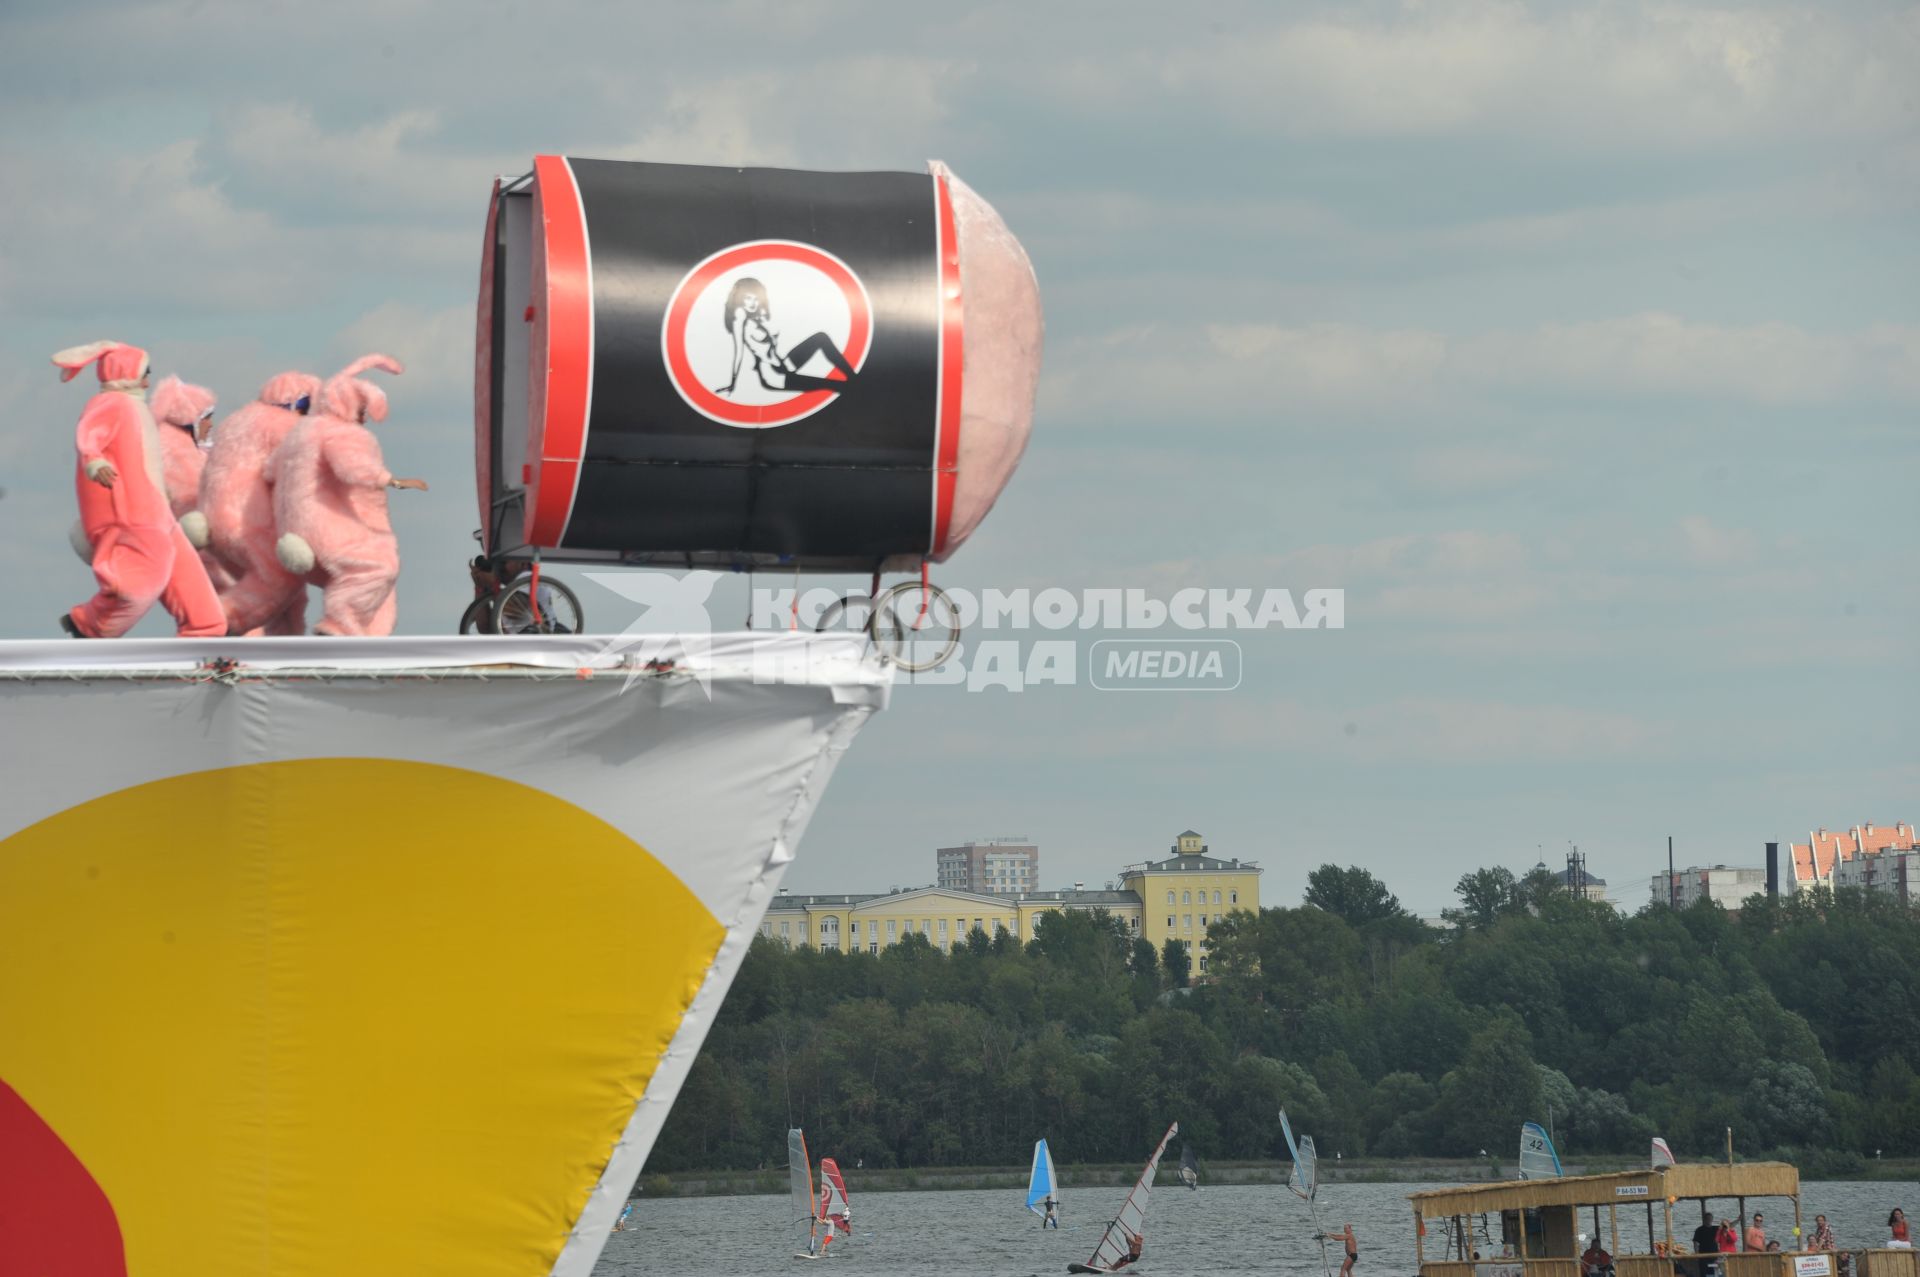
[(559, 608), (851, 615), (915, 626), (478, 618)]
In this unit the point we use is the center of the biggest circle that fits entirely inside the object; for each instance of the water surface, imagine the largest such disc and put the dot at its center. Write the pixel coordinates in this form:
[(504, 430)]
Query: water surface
[(1225, 1230)]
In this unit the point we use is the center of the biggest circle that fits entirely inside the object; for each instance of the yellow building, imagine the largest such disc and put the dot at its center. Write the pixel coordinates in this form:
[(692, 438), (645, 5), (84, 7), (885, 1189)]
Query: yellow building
[(1167, 899), (1180, 895)]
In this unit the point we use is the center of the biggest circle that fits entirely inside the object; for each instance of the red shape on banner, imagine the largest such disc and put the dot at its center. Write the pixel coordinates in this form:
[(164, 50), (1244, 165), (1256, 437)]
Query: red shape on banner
[(53, 1217)]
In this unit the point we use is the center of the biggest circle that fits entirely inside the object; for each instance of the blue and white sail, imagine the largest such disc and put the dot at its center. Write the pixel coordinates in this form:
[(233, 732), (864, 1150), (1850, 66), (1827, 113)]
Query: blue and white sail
[(1042, 1184), (1304, 1181), (1537, 1158)]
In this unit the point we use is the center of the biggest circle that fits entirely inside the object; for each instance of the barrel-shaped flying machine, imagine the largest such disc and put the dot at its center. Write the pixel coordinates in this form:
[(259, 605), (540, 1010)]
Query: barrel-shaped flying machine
[(747, 369)]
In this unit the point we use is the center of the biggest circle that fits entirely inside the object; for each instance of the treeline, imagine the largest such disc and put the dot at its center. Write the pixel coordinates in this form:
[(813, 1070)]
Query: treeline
[(1795, 1023)]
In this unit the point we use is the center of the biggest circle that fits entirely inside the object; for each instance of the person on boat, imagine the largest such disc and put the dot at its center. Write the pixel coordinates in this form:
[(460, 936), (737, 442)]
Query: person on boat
[(1822, 1238), (1756, 1238), (1052, 1217), (1596, 1262), (1706, 1241), (1727, 1239), (1897, 1227)]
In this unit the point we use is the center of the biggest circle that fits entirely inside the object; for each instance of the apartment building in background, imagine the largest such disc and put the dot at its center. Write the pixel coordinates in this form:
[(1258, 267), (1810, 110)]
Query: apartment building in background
[(998, 867)]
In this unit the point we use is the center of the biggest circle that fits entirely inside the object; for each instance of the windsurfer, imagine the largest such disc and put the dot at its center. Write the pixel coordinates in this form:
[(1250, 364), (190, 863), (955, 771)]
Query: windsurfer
[(1052, 1218), (826, 1203), (1353, 1251), (1135, 1244)]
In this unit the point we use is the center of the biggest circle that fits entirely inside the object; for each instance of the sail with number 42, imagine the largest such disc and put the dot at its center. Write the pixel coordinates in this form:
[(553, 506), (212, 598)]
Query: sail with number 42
[(1537, 1158), (1041, 1184), (1132, 1219)]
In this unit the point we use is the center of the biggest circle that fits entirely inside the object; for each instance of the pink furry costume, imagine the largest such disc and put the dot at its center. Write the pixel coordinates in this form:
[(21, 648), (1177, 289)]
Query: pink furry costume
[(235, 520), (182, 411), (330, 500), (139, 552)]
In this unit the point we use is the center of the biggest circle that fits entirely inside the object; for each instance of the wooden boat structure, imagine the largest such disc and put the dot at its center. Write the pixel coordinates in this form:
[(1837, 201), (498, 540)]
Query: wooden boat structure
[(1541, 1222)]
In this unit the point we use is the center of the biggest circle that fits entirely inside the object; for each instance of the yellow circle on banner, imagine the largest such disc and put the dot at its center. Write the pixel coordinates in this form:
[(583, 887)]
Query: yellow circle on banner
[(340, 1015)]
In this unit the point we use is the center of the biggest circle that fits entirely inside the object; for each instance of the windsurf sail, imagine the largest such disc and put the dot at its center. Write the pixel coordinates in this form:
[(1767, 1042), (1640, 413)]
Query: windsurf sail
[(1132, 1220), (1662, 1155), (836, 1188), (1189, 1166), (1537, 1158), (1041, 1184), (800, 1180), (1304, 1181)]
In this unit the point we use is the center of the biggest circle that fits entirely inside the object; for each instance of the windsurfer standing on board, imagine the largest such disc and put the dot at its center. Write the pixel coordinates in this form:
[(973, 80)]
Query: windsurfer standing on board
[(1052, 1218), (826, 1203), (1135, 1244)]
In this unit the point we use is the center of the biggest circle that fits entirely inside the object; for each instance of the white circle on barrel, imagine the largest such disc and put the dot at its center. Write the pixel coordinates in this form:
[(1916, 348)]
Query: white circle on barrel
[(765, 333)]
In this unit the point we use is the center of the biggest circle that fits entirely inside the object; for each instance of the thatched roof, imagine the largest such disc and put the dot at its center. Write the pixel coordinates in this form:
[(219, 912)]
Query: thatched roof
[(1743, 1179)]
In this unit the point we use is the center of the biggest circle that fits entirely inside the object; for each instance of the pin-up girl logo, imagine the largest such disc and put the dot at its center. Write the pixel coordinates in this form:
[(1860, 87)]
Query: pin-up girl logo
[(729, 337)]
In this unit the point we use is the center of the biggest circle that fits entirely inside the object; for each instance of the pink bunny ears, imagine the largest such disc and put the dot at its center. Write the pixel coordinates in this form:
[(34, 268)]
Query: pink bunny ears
[(121, 366), (350, 398)]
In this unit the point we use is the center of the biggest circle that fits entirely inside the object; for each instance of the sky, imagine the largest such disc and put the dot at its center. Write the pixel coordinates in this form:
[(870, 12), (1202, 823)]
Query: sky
[(1578, 344)]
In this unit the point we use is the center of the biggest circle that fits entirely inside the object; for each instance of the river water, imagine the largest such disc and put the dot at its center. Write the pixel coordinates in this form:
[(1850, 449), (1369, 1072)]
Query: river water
[(1230, 1229)]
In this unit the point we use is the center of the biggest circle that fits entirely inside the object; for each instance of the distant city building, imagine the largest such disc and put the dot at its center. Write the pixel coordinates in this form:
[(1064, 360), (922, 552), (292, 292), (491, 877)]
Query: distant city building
[(1726, 885), (1894, 871), (1817, 861), (997, 867), (1175, 898)]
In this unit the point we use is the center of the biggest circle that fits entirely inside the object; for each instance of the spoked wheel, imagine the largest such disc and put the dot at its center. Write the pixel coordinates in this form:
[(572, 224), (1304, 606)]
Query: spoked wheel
[(850, 615), (513, 611), (915, 625), (478, 618)]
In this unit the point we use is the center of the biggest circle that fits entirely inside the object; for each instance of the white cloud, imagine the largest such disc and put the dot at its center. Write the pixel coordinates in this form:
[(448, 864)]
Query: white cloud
[(1650, 74), (1709, 545), (435, 346), (1251, 374), (1429, 730), (835, 113)]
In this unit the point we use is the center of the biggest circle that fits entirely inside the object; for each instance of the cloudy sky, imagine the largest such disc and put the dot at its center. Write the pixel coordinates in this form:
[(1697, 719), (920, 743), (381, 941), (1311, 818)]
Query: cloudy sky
[(1579, 344)]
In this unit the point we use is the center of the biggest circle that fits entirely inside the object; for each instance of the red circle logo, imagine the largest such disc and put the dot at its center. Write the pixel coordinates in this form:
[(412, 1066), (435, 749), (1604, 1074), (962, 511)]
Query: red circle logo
[(764, 333)]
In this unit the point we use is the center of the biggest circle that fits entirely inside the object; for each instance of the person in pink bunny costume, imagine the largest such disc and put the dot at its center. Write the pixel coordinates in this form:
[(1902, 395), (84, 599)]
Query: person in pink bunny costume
[(139, 553), (183, 412), (330, 501), (235, 519)]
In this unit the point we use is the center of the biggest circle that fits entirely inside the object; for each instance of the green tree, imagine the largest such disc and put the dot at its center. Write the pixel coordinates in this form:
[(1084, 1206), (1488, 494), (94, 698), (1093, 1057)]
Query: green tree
[(1352, 894), (1176, 961), (1144, 960), (1495, 1088), (1485, 895)]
